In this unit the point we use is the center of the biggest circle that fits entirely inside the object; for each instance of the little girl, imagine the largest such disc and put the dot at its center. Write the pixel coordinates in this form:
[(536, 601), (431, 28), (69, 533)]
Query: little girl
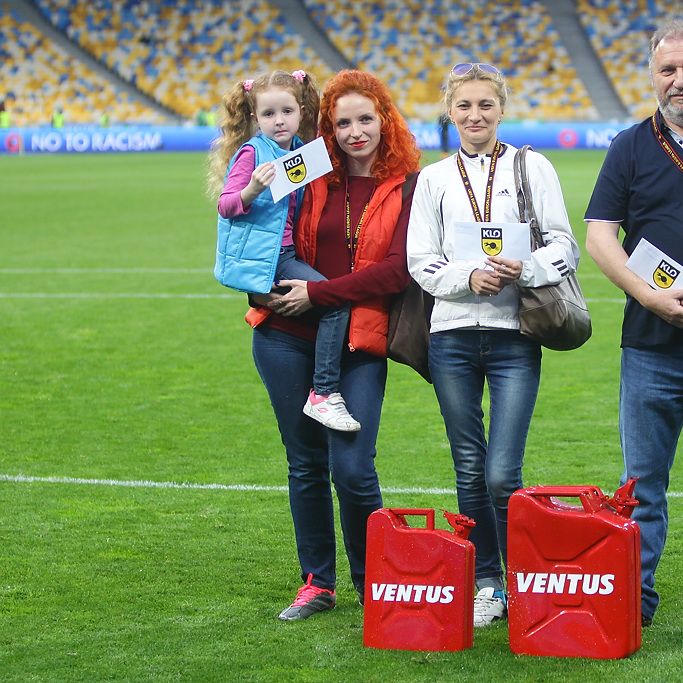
[(261, 119)]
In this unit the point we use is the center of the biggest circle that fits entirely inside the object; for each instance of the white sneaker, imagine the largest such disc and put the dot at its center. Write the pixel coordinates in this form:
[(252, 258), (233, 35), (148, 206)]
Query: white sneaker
[(489, 606), (331, 411)]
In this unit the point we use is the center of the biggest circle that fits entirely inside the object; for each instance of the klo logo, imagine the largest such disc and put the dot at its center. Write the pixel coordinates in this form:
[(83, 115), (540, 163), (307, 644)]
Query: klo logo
[(492, 241), (665, 275), (296, 169)]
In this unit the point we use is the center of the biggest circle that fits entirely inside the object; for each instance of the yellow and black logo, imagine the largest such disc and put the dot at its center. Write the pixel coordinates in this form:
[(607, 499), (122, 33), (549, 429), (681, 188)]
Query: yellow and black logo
[(296, 169), (665, 275), (492, 241)]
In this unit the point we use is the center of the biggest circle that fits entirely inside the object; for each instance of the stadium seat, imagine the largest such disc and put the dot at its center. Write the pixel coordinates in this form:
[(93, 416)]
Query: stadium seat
[(412, 45), (185, 54), (38, 76), (620, 34)]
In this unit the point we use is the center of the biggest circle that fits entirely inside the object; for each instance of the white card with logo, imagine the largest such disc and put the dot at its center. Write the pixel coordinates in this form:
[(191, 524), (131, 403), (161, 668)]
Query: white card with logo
[(300, 167), (655, 267), (474, 241)]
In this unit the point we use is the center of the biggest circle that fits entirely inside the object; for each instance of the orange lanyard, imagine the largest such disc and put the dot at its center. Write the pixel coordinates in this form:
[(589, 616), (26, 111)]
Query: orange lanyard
[(352, 237), (673, 153), (489, 186)]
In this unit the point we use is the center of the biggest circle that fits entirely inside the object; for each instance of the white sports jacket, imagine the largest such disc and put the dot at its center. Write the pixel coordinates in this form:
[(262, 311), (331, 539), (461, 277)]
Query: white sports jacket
[(440, 201)]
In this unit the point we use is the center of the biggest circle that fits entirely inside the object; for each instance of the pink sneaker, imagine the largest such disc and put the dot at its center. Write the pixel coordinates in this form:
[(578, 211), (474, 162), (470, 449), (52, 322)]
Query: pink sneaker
[(309, 600), (330, 411)]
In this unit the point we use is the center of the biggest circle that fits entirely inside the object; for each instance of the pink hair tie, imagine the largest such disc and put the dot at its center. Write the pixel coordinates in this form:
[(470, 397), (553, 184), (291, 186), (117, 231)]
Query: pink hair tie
[(247, 85), (299, 75)]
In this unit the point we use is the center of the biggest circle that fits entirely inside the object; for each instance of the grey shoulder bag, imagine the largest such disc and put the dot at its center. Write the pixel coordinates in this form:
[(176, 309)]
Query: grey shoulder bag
[(556, 316)]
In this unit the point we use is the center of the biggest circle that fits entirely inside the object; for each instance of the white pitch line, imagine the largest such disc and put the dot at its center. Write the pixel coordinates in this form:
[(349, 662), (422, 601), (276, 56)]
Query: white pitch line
[(143, 484), (104, 271), (146, 484), (163, 295), (114, 295), (152, 271), (137, 484)]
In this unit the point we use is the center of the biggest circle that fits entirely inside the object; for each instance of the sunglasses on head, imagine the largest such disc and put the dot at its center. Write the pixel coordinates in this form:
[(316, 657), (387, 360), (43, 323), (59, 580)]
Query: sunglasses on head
[(465, 67)]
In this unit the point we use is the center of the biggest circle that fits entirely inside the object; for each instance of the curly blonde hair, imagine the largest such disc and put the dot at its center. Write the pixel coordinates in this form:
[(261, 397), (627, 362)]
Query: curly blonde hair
[(238, 122)]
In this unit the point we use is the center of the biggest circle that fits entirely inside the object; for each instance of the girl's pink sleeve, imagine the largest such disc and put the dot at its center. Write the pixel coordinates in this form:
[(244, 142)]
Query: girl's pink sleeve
[(230, 201)]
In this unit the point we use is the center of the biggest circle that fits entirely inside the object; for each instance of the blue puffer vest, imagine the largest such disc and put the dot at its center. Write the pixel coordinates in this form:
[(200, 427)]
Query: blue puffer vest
[(248, 246)]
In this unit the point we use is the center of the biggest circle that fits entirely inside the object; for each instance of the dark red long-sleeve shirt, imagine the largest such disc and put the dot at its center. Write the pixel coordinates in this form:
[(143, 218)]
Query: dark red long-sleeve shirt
[(333, 258)]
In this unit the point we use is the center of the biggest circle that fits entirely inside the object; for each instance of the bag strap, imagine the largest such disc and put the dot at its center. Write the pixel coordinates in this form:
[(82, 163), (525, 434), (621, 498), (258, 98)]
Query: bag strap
[(408, 185), (521, 199), (527, 213)]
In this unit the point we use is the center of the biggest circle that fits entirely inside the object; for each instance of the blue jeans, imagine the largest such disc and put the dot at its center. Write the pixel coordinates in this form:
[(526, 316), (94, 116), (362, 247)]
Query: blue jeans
[(314, 453), (650, 420), (329, 341), (486, 473)]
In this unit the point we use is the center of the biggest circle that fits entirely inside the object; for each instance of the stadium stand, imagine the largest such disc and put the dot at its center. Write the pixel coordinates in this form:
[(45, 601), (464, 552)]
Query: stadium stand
[(38, 77), (184, 53), (412, 44), (619, 32)]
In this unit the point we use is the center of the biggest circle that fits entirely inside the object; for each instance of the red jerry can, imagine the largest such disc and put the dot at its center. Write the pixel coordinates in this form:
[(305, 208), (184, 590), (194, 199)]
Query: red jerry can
[(419, 582), (573, 573)]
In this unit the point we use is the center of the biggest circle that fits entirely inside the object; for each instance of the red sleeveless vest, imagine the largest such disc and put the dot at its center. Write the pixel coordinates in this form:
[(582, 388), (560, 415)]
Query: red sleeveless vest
[(369, 318)]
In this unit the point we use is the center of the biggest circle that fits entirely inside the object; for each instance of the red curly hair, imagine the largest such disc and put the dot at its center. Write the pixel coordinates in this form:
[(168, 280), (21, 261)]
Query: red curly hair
[(397, 153)]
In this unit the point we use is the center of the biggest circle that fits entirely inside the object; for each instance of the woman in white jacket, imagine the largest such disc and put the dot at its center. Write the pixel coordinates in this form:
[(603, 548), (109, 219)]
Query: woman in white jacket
[(475, 325)]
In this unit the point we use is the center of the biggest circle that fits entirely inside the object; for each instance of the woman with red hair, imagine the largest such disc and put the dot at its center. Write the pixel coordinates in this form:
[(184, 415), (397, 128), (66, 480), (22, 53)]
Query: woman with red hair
[(352, 228)]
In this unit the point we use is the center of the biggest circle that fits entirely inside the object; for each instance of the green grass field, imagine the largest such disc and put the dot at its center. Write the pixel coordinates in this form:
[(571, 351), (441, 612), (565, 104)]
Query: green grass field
[(124, 367)]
